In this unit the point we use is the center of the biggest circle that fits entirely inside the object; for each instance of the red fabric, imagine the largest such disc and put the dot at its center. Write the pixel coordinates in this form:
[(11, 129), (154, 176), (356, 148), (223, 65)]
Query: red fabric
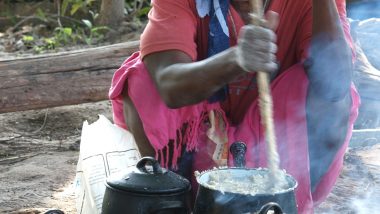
[(289, 96), (172, 26), (158, 120), (175, 25)]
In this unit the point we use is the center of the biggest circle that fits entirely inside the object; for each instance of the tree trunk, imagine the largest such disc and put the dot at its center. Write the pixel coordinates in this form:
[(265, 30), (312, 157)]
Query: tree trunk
[(60, 79), (111, 13)]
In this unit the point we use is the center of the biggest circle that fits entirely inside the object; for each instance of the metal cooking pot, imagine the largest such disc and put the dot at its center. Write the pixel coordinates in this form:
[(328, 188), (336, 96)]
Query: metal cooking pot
[(211, 201), (147, 189)]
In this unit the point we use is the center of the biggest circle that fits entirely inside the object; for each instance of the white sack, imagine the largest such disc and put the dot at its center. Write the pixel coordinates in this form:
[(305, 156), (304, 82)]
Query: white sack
[(105, 149)]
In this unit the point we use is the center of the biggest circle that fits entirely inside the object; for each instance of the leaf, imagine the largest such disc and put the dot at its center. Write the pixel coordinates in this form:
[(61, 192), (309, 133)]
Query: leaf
[(40, 14), (144, 11), (64, 6), (87, 23), (94, 15), (26, 38), (50, 41), (88, 40), (89, 2), (68, 31), (125, 11), (96, 29), (75, 8)]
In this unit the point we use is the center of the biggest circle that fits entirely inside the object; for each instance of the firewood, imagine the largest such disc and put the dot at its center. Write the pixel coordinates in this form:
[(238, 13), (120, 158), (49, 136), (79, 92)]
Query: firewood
[(60, 79)]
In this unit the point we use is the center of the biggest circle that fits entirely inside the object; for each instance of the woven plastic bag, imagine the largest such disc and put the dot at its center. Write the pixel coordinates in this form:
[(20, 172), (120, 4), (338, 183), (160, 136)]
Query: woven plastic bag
[(105, 149)]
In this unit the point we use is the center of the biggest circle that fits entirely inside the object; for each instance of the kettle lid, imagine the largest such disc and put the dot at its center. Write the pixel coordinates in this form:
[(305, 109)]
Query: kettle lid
[(149, 178)]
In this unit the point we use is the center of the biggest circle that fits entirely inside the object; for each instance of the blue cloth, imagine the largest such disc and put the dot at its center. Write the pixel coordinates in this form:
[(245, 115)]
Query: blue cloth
[(218, 38)]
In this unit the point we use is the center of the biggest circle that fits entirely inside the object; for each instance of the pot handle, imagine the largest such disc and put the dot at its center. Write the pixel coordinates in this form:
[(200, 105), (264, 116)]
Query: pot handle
[(141, 165), (238, 150), (271, 205), (167, 205)]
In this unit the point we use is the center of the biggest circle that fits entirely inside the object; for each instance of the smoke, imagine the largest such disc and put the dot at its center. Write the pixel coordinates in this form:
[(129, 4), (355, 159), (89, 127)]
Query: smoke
[(366, 33), (367, 204), (364, 186), (365, 30), (363, 9)]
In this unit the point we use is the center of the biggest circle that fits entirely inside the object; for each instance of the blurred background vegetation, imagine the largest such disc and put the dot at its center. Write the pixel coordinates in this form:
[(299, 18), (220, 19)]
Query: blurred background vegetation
[(39, 26)]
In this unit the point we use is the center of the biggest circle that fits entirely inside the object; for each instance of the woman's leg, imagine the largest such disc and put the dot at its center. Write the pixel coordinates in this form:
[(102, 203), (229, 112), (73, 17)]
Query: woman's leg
[(134, 124)]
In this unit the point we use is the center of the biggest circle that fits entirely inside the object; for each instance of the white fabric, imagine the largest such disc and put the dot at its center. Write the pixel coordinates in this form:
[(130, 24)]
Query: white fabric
[(203, 7)]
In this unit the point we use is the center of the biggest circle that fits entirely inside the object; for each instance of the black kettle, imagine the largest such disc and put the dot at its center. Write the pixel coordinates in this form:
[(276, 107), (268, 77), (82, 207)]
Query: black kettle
[(149, 189)]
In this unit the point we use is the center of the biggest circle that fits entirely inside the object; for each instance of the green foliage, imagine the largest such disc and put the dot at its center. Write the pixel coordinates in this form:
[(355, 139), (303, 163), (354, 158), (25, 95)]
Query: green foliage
[(40, 14), (28, 40), (64, 35), (143, 12), (50, 43), (72, 23), (95, 33), (75, 5), (137, 9), (89, 34)]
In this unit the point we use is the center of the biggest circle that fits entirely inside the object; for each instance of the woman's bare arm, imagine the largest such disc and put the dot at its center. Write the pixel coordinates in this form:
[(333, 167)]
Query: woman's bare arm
[(328, 103)]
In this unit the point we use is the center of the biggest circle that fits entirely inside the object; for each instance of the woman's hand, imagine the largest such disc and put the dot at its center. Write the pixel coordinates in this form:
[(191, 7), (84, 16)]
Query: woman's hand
[(257, 47)]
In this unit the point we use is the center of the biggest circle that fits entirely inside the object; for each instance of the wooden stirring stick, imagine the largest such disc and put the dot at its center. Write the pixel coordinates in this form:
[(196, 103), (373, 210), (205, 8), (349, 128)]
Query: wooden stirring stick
[(266, 103)]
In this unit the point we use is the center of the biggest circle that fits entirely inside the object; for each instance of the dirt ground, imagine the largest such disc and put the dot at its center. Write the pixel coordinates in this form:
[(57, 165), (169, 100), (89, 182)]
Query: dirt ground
[(357, 190), (39, 152)]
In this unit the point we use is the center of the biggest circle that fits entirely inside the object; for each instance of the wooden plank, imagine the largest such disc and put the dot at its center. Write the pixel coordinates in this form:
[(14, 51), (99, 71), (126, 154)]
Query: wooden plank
[(60, 79)]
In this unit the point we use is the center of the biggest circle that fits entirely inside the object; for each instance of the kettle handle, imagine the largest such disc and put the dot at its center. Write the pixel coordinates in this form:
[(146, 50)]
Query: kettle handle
[(141, 165), (238, 150), (271, 205), (167, 205)]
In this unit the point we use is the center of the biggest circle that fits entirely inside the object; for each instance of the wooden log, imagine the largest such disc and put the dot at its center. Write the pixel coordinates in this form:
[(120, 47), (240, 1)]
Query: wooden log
[(60, 79), (367, 81), (361, 1), (365, 137), (363, 9)]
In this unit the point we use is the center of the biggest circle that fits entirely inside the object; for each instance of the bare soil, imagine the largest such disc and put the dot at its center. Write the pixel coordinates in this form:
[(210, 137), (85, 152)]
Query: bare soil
[(38, 157), (357, 190)]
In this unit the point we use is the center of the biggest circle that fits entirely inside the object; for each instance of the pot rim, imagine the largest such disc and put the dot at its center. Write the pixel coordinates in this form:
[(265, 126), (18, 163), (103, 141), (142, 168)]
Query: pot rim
[(142, 193), (288, 178)]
